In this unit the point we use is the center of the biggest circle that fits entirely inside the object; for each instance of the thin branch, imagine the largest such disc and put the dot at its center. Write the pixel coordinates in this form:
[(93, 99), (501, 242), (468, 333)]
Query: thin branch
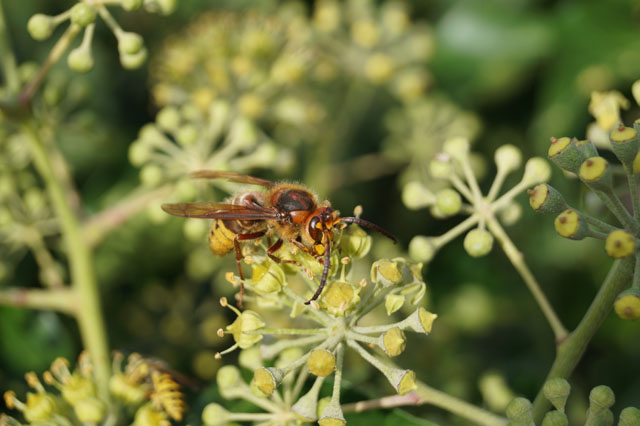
[(60, 300)]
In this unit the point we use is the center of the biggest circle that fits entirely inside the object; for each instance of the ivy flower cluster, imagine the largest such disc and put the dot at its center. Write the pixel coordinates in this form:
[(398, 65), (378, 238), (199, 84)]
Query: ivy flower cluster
[(141, 387), (556, 391), (315, 350), (598, 174), (82, 17)]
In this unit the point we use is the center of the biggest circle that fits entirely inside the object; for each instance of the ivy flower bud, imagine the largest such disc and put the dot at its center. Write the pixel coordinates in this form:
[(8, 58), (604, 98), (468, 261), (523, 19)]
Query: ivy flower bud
[(393, 302), (624, 143), (268, 278), (148, 415), (365, 33), (570, 224), (90, 410), (422, 248), (251, 105), (228, 377), (151, 175), (627, 304), (457, 147), (511, 213), (630, 416), (565, 154), (306, 408), (168, 118), (40, 26), (133, 61), (126, 390), (393, 341), (508, 158), (421, 321), (478, 242), (80, 59), (536, 170), (339, 296), (83, 14), (163, 7), (355, 242), (77, 388), (321, 362), (440, 167), (246, 321), (595, 172), (520, 410), (250, 358), (130, 43), (448, 201), (267, 379), (379, 68), (555, 418), (600, 398), (544, 198), (386, 272), (557, 391), (130, 5), (215, 415), (619, 244)]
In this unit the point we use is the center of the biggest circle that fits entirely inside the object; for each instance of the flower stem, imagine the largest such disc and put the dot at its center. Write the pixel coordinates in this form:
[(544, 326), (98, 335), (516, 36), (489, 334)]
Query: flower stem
[(410, 398), (54, 55), (60, 300), (517, 260), (429, 395), (7, 58), (614, 205), (83, 279), (633, 190), (570, 350)]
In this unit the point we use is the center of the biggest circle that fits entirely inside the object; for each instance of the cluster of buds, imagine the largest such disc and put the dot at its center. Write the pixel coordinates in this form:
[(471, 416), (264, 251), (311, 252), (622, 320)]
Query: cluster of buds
[(82, 17), (392, 48), (142, 387), (556, 391), (582, 159), (317, 351), (454, 166)]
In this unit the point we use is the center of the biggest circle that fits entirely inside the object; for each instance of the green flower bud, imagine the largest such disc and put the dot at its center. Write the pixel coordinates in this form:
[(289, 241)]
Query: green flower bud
[(570, 224), (619, 244), (168, 118), (478, 242), (267, 379), (306, 408), (379, 68), (421, 321), (595, 172), (409, 85), (565, 154), (557, 391), (186, 189), (195, 229), (251, 105), (90, 410), (508, 157), (544, 198), (511, 213), (40, 26), (80, 60), (268, 278), (148, 415), (536, 170), (187, 135), (365, 33), (124, 389), (83, 14), (440, 167), (130, 5), (520, 410), (555, 418), (339, 296), (457, 147), (246, 321), (393, 302), (624, 143), (163, 7), (422, 248), (151, 175), (321, 362), (355, 242), (215, 415), (600, 398), (228, 377), (139, 153), (630, 416), (38, 406), (332, 415), (393, 341), (627, 304), (130, 43), (448, 201), (133, 61), (599, 418), (77, 388)]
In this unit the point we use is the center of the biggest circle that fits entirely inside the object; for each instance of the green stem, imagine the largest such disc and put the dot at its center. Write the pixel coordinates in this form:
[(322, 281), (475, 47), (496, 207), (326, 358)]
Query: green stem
[(633, 190), (429, 395), (454, 232), (571, 349), (54, 55), (517, 260), (598, 223), (8, 60), (60, 300), (83, 279), (614, 205)]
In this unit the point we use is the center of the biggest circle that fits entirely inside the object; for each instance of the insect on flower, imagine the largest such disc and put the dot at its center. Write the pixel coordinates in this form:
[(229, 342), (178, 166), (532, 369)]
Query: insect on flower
[(288, 211)]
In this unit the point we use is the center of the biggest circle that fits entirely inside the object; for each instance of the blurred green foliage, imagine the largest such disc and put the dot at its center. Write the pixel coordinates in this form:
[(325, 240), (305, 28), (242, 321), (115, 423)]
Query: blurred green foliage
[(523, 69)]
